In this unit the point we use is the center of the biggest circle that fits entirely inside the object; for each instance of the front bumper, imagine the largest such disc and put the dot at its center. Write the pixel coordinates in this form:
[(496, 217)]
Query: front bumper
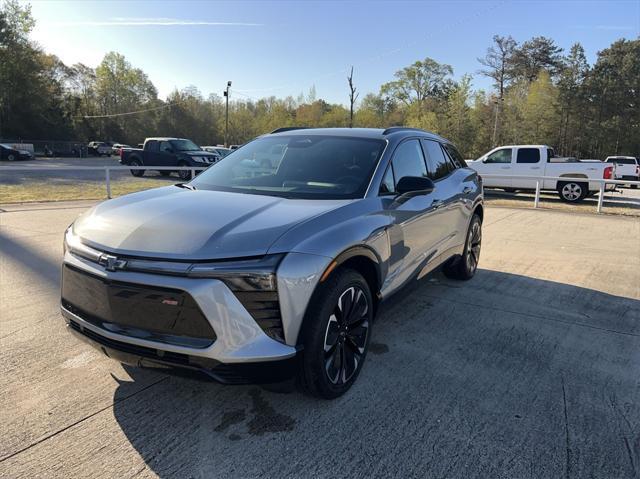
[(239, 343)]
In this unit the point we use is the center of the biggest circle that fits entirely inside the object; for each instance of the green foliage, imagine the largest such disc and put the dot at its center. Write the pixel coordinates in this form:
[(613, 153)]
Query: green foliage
[(541, 96)]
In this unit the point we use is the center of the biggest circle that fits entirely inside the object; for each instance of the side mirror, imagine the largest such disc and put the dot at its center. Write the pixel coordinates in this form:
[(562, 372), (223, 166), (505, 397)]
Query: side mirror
[(415, 184)]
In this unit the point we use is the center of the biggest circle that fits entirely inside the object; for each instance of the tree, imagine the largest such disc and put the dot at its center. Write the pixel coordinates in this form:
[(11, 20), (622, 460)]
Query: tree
[(573, 106), (353, 96), (539, 53), (498, 62), (418, 81)]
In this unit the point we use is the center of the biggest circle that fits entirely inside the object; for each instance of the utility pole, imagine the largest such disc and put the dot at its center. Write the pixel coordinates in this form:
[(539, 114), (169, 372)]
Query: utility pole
[(226, 117)]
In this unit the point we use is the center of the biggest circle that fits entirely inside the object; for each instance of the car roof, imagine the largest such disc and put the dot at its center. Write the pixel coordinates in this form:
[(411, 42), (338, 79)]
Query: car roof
[(164, 138), (375, 133), (619, 157)]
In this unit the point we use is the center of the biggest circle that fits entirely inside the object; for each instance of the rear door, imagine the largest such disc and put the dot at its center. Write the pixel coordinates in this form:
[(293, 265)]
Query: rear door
[(528, 162), (447, 194), (498, 162)]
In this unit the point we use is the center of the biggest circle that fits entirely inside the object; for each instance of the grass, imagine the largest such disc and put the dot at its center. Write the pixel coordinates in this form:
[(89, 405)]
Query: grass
[(552, 202), (36, 191)]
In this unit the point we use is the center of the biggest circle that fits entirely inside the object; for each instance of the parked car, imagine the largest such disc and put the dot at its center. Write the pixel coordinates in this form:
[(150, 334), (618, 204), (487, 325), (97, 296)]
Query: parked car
[(167, 152), (257, 278), (520, 163), (99, 148), (8, 152), (627, 168), (116, 147), (220, 150)]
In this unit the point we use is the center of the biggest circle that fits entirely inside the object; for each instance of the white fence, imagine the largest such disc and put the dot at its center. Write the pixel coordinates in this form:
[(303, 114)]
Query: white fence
[(539, 179), (107, 173)]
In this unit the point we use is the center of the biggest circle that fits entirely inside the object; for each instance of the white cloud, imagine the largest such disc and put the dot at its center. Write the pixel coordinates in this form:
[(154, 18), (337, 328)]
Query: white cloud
[(136, 21)]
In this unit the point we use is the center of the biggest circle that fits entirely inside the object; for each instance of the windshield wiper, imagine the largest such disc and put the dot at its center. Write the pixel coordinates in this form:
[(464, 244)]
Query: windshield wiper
[(186, 186)]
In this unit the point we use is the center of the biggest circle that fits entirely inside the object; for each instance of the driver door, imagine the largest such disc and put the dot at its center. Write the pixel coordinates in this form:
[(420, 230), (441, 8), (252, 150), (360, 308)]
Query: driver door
[(498, 162), (414, 232), (166, 156)]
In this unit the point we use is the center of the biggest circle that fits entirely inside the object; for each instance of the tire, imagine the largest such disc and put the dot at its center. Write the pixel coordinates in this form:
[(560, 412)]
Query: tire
[(136, 173), (185, 175), (464, 267), (572, 191), (510, 190), (164, 173), (334, 350), (11, 157)]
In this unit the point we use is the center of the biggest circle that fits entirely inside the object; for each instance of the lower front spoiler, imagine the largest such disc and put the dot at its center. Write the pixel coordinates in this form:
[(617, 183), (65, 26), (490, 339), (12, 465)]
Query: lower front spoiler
[(184, 365)]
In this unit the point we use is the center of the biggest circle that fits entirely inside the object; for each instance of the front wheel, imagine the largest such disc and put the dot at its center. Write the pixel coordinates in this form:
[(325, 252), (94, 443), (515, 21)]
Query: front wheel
[(11, 157), (572, 192), (336, 335), (465, 267), (185, 175)]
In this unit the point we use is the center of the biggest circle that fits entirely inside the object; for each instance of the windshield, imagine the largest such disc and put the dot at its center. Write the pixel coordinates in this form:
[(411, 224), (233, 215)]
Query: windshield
[(184, 145), (310, 166)]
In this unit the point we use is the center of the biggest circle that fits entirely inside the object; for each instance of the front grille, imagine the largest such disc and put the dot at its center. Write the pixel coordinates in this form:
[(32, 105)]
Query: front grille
[(264, 308), (164, 315)]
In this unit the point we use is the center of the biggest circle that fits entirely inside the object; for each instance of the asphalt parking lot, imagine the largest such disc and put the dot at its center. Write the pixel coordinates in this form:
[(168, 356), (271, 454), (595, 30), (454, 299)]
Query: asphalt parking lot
[(531, 369)]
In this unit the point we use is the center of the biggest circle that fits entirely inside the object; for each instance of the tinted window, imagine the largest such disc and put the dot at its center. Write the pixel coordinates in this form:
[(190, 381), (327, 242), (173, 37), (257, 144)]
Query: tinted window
[(151, 145), (165, 147), (455, 156), (439, 165), (313, 166), (388, 184), (408, 160), (622, 161), (499, 156), (528, 155)]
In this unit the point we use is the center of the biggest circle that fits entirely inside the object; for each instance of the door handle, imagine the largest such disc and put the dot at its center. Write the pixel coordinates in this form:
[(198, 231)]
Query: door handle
[(535, 167), (466, 190), (505, 167)]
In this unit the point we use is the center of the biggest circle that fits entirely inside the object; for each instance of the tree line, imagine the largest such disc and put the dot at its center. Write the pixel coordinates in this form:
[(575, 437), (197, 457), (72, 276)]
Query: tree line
[(541, 95)]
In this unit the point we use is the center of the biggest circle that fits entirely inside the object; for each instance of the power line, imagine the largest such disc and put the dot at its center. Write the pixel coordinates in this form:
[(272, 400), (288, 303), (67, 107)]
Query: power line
[(112, 115)]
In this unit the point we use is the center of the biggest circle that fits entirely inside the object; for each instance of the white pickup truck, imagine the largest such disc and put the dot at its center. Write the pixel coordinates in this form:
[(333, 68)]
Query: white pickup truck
[(518, 164), (626, 168)]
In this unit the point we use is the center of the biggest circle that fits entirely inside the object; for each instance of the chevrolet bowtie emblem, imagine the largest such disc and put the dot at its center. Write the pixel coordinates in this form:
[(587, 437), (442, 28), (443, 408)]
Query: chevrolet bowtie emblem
[(111, 263)]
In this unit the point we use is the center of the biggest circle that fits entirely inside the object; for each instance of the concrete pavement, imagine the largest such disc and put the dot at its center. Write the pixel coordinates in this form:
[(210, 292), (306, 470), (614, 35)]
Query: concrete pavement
[(531, 369)]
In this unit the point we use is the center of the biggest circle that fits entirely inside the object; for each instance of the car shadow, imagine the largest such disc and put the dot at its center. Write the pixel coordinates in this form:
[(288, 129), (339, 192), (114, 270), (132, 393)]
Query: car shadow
[(504, 375)]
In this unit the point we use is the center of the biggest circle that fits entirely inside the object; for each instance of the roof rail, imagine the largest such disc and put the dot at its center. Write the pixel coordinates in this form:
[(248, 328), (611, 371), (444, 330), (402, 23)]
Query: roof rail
[(290, 128), (393, 129)]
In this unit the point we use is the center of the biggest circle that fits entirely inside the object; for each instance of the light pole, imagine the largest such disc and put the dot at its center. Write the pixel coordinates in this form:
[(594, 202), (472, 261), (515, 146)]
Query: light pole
[(226, 116)]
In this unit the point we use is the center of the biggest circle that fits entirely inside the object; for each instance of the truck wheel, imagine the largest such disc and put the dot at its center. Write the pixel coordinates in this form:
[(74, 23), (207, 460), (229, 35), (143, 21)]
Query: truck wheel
[(185, 175), (335, 335), (464, 267), (572, 192), (136, 173)]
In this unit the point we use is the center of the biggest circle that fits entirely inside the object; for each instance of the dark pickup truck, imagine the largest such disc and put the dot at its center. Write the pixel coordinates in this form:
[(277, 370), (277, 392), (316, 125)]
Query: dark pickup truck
[(167, 152)]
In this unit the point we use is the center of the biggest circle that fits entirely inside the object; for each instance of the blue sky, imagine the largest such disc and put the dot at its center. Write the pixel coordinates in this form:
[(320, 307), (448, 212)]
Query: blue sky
[(283, 48)]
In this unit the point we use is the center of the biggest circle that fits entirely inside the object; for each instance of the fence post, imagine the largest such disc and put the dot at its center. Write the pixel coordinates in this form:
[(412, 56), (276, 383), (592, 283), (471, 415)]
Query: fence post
[(600, 197), (107, 175), (537, 200)]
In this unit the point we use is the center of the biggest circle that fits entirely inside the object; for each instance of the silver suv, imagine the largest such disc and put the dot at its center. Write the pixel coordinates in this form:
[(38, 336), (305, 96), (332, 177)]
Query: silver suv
[(260, 271)]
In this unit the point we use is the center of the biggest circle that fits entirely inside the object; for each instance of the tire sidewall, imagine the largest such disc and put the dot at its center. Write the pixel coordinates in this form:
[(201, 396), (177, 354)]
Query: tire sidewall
[(314, 329), (466, 273), (583, 191)]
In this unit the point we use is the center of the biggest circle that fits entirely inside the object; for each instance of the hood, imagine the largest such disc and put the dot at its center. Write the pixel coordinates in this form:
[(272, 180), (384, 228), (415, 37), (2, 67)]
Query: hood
[(177, 223)]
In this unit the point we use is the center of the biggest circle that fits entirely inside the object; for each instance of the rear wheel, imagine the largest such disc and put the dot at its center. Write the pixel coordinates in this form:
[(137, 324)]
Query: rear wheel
[(572, 192), (336, 335), (464, 267), (137, 173), (185, 175)]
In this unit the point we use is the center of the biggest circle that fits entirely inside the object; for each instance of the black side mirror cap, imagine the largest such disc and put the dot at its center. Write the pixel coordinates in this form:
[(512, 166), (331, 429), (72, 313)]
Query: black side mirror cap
[(418, 185)]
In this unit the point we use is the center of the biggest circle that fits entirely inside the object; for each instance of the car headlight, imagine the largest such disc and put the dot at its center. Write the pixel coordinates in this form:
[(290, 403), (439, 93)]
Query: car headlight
[(241, 275)]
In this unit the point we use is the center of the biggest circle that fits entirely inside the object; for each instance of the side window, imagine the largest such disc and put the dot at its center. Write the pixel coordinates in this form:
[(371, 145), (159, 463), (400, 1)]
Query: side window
[(528, 155), (500, 156), (165, 147), (151, 145), (388, 185), (455, 156), (408, 160), (439, 166)]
